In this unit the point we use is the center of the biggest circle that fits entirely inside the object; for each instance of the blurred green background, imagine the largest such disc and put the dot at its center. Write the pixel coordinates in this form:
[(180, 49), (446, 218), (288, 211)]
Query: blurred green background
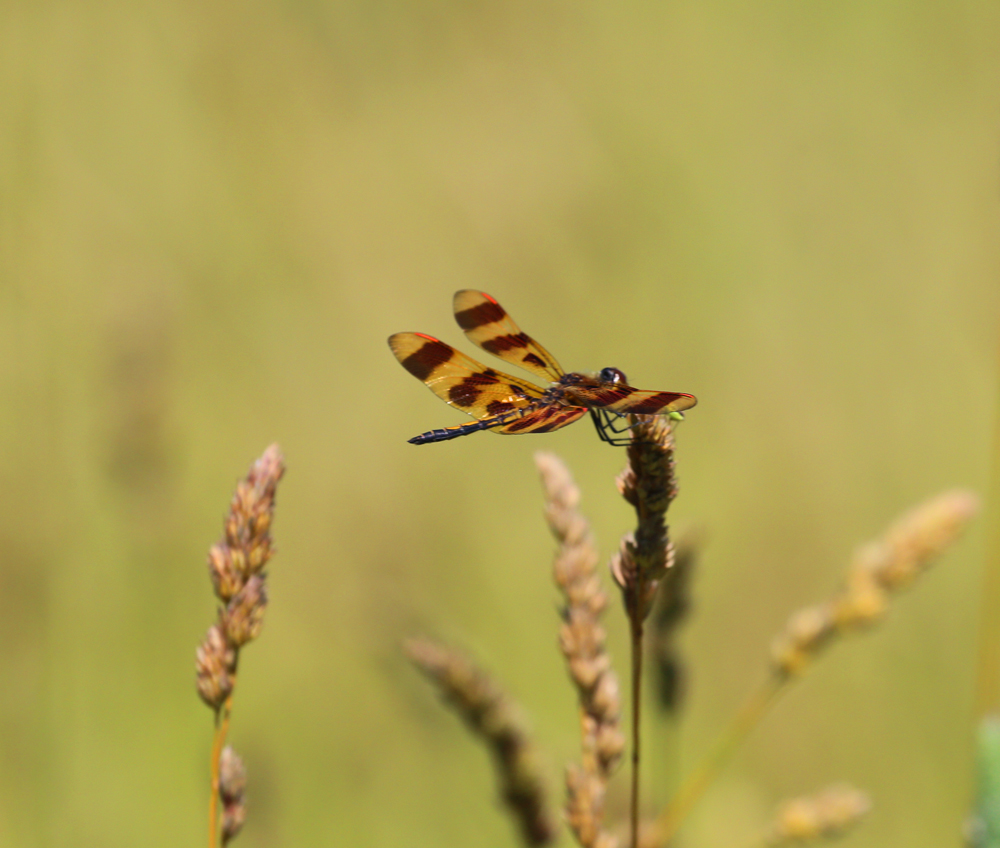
[(211, 217)]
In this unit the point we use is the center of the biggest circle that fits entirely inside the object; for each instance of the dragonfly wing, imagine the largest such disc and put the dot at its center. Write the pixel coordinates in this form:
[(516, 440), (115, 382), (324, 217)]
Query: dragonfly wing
[(545, 419), (628, 401), (488, 325), (459, 380)]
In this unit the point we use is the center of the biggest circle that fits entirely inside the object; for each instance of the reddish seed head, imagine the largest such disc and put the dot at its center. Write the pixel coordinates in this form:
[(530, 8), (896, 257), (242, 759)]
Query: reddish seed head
[(244, 616), (214, 663)]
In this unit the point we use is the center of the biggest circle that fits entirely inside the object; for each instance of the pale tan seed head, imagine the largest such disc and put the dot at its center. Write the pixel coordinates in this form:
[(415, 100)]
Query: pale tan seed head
[(232, 776), (582, 641), (825, 814), (877, 570)]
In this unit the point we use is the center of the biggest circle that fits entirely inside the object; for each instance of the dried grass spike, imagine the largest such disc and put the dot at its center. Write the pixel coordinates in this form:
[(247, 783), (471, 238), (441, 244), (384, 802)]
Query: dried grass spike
[(248, 525), (244, 615), (649, 484), (826, 814), (235, 565), (226, 571), (232, 775), (492, 715), (232, 788), (582, 642), (913, 541), (807, 631), (233, 818), (877, 570), (215, 663)]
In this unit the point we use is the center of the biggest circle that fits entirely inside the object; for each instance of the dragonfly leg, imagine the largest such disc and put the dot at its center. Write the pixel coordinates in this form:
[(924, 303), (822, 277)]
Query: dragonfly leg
[(606, 429)]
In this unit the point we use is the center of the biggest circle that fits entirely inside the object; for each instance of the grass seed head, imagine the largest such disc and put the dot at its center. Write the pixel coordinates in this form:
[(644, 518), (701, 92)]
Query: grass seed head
[(232, 776), (877, 569), (806, 632), (919, 536), (828, 813), (215, 662), (649, 484), (582, 641), (227, 574), (493, 716), (233, 818), (244, 614)]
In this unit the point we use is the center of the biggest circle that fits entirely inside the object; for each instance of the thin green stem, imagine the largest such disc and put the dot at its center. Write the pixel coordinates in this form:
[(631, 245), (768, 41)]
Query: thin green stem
[(988, 662), (694, 786)]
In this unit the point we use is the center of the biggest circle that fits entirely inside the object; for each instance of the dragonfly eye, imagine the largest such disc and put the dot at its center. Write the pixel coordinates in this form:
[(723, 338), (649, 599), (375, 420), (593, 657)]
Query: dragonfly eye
[(612, 375)]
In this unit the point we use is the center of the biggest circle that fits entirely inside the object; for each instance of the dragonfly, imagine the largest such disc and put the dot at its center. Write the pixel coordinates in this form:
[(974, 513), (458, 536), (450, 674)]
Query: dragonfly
[(503, 403)]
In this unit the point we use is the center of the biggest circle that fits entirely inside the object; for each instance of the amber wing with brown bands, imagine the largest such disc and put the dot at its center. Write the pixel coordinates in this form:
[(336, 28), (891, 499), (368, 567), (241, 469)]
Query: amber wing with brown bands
[(488, 325), (543, 420), (459, 380), (626, 400)]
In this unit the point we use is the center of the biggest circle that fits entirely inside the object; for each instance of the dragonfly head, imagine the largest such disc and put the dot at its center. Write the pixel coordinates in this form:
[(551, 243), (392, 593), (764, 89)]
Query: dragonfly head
[(612, 375)]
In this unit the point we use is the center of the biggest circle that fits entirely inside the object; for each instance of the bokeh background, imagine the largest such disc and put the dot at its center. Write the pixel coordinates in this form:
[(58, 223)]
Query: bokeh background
[(212, 215)]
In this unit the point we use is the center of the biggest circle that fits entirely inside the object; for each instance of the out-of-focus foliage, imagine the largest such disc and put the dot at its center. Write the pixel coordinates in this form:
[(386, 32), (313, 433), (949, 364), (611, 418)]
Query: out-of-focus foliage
[(983, 829), (211, 217)]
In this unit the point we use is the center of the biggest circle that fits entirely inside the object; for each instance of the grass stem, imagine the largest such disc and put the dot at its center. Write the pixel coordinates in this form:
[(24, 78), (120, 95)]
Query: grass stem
[(988, 660), (218, 743), (694, 786), (636, 631)]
